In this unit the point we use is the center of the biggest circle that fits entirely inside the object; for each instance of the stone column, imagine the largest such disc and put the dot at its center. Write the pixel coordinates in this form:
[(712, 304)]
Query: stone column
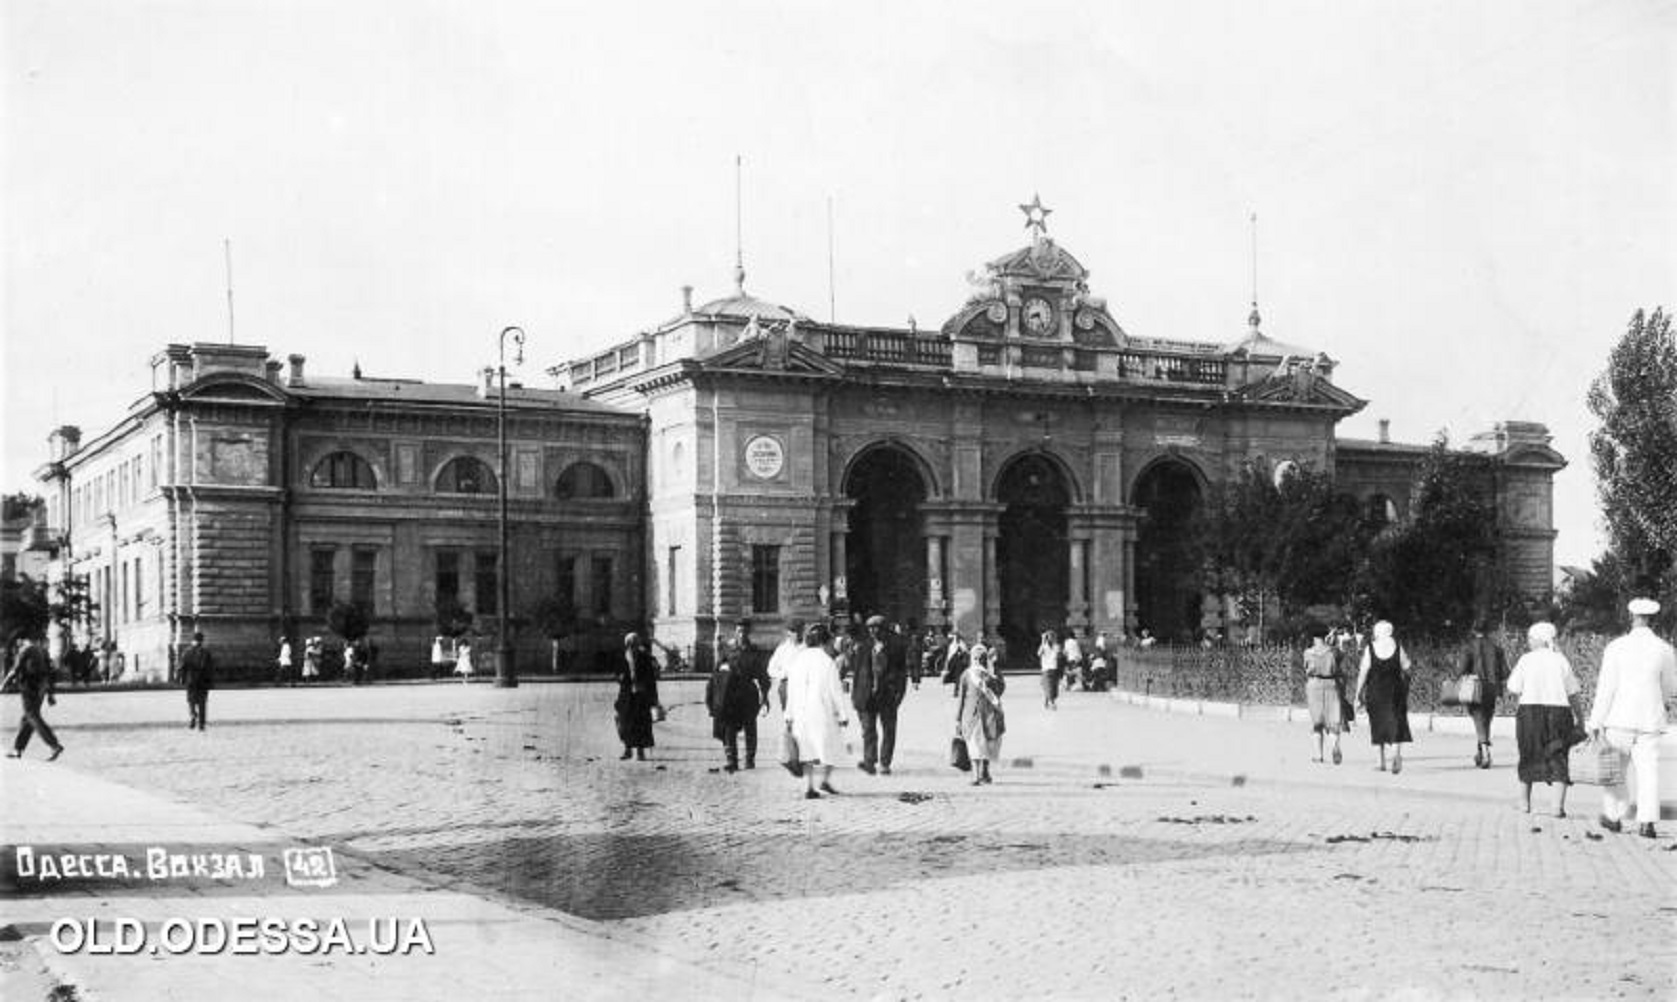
[(1077, 600), (934, 580), (840, 598), (992, 581), (1129, 582)]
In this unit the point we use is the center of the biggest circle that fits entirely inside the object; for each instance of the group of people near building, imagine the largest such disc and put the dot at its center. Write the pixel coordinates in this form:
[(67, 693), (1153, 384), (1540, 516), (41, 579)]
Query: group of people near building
[(1637, 681)]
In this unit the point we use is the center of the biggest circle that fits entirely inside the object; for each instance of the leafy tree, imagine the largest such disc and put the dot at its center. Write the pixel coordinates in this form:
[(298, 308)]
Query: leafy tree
[(72, 603), (1440, 567), (17, 506), (554, 617), (453, 619), (1634, 451), (1594, 601), (1296, 541), (348, 620), (24, 610)]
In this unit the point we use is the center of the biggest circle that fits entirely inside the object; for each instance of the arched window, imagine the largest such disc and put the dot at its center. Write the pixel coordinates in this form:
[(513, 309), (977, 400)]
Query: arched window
[(344, 471), (1382, 510), (466, 475), (583, 480)]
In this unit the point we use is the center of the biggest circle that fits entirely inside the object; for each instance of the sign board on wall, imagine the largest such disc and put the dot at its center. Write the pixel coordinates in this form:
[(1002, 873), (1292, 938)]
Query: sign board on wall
[(764, 457)]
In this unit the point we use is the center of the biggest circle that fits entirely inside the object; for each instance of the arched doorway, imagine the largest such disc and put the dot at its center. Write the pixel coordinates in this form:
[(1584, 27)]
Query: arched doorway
[(885, 554), (1032, 564), (1168, 598)]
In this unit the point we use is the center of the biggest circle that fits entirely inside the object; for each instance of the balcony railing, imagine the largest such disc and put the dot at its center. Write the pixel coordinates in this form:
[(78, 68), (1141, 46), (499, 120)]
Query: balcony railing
[(899, 349)]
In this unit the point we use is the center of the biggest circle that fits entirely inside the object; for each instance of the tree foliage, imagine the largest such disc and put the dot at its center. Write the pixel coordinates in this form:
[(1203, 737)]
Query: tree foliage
[(453, 619), (1634, 452), (72, 602), (24, 608), (348, 620), (1295, 540), (1440, 567)]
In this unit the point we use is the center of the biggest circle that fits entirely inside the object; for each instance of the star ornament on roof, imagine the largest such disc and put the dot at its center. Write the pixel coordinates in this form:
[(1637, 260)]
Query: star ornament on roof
[(1036, 215)]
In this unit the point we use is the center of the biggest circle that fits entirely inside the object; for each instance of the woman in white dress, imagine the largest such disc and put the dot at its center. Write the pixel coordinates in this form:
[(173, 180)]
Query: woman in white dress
[(815, 710), (463, 661), (978, 713)]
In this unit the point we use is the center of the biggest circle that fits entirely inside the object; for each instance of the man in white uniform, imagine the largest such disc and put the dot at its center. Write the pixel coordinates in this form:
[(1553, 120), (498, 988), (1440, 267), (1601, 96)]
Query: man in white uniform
[(1638, 678)]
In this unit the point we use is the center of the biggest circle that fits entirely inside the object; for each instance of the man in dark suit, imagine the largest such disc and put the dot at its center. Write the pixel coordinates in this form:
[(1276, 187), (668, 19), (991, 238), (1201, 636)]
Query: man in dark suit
[(197, 673), (35, 683), (880, 680)]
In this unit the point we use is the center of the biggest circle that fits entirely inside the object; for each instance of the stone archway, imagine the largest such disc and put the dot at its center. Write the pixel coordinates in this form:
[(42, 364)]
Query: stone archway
[(1168, 599), (885, 553), (1032, 560)]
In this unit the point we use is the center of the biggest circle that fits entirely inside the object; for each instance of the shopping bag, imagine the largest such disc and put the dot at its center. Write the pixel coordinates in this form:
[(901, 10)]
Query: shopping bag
[(789, 753), (1596, 763), (958, 756), (1470, 689)]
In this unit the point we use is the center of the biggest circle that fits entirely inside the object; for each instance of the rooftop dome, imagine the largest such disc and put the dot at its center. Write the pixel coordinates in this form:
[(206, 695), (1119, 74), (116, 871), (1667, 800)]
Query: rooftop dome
[(742, 304)]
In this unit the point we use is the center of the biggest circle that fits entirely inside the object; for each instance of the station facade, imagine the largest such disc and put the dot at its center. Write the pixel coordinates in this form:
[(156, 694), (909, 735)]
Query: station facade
[(1028, 465)]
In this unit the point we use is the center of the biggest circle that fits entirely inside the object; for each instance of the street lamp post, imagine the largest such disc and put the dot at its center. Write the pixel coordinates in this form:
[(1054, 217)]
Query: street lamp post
[(505, 675)]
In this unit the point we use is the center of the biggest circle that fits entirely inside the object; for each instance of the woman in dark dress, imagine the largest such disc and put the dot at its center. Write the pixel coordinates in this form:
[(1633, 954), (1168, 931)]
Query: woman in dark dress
[(1383, 691), (637, 694)]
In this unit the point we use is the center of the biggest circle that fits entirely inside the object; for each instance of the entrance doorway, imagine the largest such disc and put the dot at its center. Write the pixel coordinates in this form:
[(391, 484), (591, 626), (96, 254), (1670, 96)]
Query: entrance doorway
[(885, 554), (1167, 595), (1032, 564)]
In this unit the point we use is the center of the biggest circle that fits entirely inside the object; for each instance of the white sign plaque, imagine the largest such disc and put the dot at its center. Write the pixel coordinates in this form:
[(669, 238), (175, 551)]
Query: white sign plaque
[(764, 457)]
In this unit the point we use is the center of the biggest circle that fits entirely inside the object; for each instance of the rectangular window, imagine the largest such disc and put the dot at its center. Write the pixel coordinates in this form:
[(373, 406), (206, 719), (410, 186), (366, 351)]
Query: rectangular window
[(139, 590), (564, 581), (156, 461), (486, 563), (322, 571), (765, 578), (448, 576), (601, 581), (672, 571), (363, 575), (122, 593)]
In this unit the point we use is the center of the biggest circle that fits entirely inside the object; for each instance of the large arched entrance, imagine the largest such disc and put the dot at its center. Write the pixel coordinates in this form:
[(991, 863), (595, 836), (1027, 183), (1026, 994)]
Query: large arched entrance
[(885, 554), (1032, 564), (1167, 594)]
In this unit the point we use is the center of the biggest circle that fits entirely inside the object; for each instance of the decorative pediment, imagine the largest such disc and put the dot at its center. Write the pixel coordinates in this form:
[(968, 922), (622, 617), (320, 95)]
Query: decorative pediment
[(1043, 261), (773, 349), (233, 387), (1299, 386)]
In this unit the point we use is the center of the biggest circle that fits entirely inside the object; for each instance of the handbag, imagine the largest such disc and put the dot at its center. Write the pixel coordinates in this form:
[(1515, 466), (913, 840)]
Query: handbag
[(1597, 763), (958, 756), (789, 753), (1466, 690)]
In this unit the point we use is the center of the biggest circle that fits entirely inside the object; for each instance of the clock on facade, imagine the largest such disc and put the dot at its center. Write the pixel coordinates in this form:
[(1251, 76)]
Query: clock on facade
[(1038, 316)]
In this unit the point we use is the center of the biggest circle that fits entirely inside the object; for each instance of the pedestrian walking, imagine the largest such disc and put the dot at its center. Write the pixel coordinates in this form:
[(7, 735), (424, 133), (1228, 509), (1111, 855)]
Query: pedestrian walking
[(1321, 693), (815, 714), (1383, 692), (782, 658), (979, 720), (879, 683), (35, 683), (311, 659), (282, 663), (637, 694), (439, 656), (1073, 650), (197, 673), (1051, 659), (463, 665), (955, 658), (1484, 658), (737, 693), (1638, 678), (1547, 718)]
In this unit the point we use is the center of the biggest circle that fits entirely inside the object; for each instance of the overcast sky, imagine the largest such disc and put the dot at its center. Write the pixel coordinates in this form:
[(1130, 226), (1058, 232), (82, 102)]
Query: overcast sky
[(1462, 202)]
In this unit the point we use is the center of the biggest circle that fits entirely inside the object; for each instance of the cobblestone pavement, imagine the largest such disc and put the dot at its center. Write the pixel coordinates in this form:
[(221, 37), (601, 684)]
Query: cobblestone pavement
[(1122, 853)]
